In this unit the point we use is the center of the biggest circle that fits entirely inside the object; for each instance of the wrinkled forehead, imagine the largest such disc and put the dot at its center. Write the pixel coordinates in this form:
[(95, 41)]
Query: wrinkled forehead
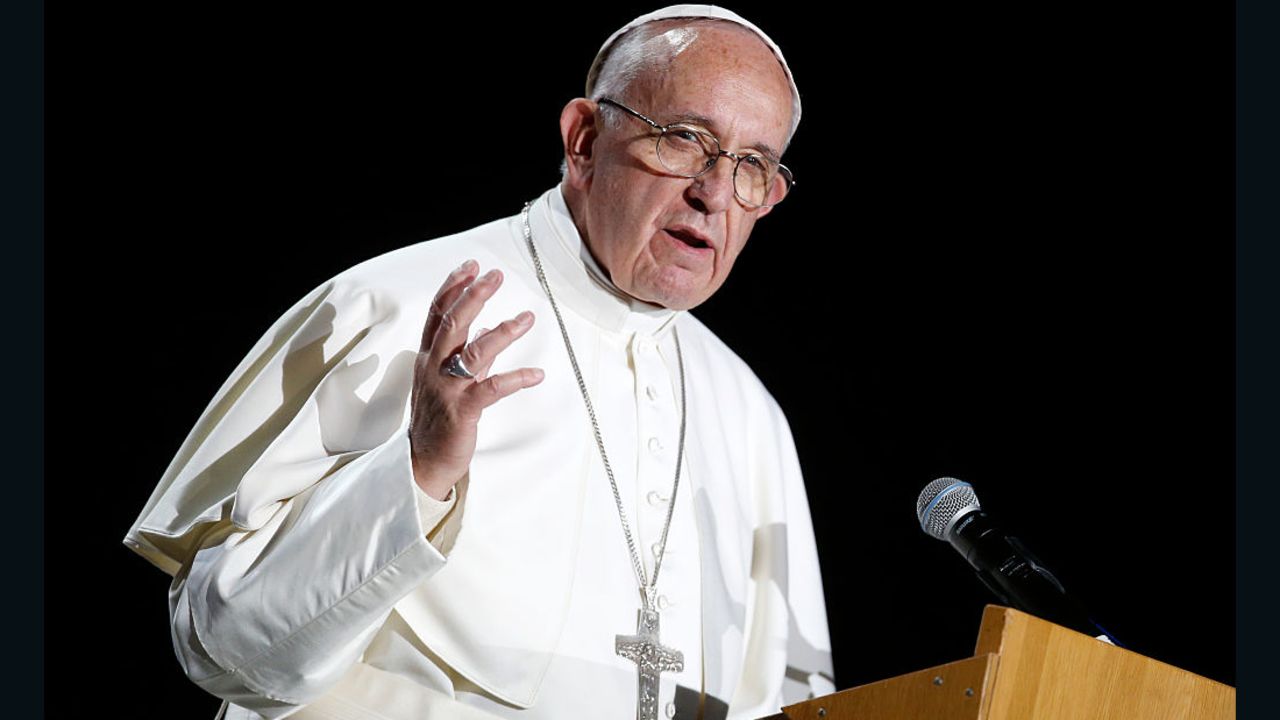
[(678, 30), (728, 77)]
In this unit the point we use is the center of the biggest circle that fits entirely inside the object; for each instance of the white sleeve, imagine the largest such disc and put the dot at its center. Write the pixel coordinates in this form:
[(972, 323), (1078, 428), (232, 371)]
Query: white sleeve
[(788, 656), (289, 519), (432, 513), (271, 618), (810, 672)]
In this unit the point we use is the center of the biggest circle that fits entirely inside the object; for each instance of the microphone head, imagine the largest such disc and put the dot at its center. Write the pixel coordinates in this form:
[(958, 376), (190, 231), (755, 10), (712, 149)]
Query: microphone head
[(942, 503)]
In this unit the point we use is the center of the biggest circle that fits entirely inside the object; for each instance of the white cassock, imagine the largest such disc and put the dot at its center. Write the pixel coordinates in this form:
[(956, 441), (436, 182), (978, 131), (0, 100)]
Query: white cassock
[(308, 567)]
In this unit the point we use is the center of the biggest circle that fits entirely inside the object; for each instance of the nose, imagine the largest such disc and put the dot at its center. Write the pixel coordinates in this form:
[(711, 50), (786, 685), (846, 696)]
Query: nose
[(712, 191)]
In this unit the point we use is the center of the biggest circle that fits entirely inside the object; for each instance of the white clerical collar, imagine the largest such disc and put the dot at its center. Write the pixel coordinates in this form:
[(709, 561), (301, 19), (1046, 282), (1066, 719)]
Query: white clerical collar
[(577, 280)]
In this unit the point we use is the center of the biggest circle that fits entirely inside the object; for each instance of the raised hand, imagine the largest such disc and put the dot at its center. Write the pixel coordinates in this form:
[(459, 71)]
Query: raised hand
[(447, 404)]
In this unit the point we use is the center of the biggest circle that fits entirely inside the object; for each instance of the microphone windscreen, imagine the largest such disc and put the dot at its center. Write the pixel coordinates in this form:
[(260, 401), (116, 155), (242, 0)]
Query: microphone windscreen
[(942, 502)]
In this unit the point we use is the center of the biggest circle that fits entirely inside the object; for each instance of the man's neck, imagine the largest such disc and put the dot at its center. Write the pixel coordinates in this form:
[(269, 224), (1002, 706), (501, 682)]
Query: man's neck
[(577, 211)]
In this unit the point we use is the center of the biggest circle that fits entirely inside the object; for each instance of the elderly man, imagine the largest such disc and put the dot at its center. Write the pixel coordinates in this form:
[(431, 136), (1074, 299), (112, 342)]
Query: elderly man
[(599, 514)]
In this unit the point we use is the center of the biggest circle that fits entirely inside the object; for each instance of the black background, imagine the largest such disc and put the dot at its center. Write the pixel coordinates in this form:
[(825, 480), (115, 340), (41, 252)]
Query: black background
[(1008, 258)]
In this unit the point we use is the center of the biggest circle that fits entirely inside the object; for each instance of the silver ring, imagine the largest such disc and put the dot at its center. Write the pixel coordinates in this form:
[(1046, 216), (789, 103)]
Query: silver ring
[(455, 367)]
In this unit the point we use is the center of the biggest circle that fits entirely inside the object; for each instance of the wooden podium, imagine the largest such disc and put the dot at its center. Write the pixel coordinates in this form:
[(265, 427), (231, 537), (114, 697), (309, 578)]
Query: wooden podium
[(1025, 668)]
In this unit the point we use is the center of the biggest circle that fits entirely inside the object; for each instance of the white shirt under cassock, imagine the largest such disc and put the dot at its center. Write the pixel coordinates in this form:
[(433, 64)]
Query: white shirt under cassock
[(300, 544)]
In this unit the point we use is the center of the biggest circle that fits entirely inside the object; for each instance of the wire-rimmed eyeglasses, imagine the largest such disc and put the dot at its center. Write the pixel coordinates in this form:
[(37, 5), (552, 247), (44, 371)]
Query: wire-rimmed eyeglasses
[(689, 151)]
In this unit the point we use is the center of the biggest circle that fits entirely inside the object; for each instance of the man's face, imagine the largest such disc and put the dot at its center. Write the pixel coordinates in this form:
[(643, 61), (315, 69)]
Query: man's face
[(669, 240)]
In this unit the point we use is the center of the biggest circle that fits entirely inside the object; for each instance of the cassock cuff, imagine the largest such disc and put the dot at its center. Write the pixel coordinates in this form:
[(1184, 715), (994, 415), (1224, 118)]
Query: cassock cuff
[(430, 510), (284, 633)]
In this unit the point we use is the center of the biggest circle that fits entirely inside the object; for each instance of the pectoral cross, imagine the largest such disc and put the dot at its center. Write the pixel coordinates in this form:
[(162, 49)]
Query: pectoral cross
[(650, 658)]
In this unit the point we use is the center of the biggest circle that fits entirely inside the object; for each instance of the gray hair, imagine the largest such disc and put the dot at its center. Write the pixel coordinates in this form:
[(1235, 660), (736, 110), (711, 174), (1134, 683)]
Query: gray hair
[(653, 46)]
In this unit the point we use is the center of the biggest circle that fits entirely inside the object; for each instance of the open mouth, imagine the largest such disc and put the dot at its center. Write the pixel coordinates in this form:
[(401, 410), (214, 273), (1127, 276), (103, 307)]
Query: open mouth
[(688, 238)]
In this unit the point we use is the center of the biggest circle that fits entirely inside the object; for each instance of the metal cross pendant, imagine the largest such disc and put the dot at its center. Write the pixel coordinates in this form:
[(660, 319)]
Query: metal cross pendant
[(650, 658)]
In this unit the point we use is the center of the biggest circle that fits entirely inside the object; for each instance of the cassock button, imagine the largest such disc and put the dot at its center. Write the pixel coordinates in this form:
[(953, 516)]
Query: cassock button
[(651, 392), (655, 499), (671, 709), (655, 445)]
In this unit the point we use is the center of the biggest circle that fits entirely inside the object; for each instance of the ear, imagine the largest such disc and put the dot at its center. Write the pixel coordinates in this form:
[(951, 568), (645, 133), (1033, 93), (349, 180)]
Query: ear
[(579, 131)]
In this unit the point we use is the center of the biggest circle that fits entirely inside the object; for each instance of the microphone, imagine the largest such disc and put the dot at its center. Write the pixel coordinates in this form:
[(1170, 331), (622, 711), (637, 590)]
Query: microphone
[(948, 509)]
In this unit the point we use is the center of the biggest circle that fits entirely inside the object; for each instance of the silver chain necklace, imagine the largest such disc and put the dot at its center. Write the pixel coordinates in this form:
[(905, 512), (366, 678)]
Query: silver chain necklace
[(643, 648)]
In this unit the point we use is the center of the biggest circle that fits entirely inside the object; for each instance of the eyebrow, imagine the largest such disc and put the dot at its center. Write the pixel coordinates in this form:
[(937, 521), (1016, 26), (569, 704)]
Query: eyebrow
[(708, 123)]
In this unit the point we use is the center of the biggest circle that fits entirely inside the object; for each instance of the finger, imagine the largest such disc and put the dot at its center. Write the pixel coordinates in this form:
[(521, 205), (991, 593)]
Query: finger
[(483, 394), (481, 352), (455, 324), (479, 372), (446, 296)]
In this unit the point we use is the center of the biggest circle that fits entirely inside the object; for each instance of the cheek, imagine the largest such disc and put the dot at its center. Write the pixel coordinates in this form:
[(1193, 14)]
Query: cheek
[(609, 210), (740, 235)]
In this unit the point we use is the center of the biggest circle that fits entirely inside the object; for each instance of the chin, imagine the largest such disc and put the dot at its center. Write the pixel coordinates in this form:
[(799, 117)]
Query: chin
[(672, 290), (678, 300)]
